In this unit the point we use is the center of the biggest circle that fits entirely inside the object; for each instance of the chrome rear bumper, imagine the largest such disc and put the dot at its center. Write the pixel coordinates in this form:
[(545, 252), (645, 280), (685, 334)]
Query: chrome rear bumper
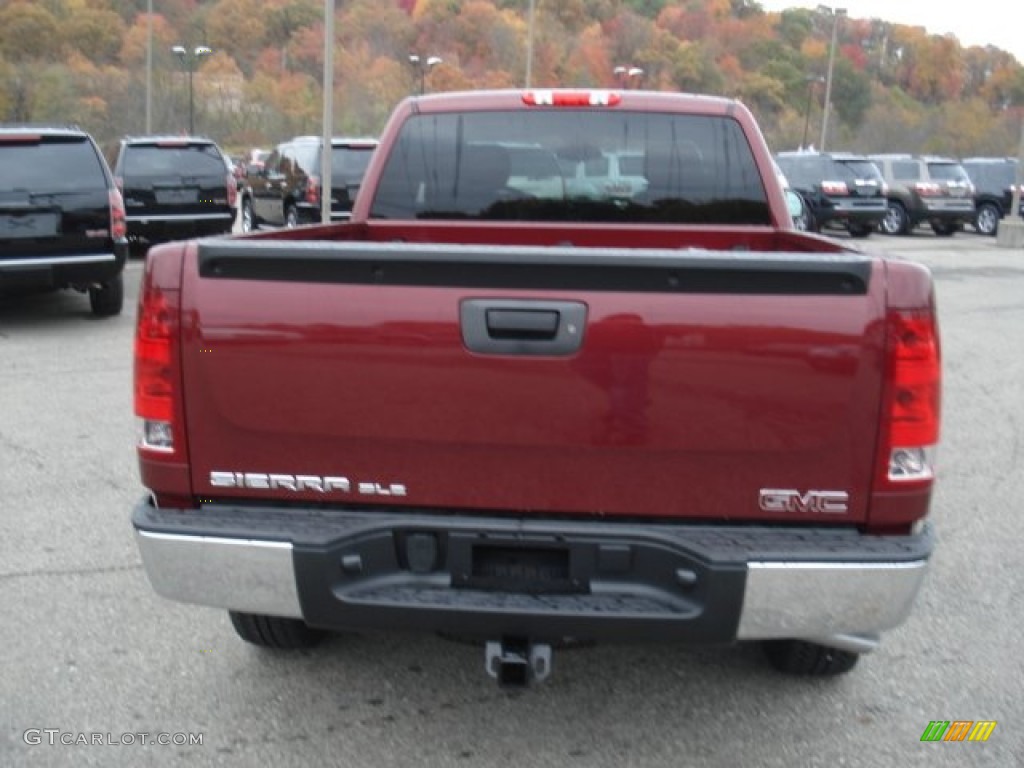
[(845, 604)]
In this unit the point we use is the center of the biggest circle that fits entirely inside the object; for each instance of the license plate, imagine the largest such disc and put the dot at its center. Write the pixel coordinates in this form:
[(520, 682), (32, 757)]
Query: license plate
[(19, 226), (176, 196)]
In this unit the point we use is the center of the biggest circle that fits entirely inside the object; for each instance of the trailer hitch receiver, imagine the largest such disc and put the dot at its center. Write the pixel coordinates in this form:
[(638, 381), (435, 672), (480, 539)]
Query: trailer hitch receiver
[(515, 662)]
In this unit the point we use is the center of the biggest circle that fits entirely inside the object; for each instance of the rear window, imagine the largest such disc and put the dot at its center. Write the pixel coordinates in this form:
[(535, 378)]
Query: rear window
[(596, 166), (183, 160), (803, 172), (859, 169), (631, 165), (1001, 175), (947, 172), (53, 164), (533, 163), (349, 163), (695, 169)]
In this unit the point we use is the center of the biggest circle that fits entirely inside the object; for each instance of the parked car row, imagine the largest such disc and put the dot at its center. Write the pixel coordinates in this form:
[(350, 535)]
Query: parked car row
[(994, 179), (62, 218), (896, 193), (174, 187), (286, 189)]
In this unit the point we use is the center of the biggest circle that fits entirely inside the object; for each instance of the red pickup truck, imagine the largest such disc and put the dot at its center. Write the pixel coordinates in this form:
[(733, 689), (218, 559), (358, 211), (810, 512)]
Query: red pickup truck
[(497, 405)]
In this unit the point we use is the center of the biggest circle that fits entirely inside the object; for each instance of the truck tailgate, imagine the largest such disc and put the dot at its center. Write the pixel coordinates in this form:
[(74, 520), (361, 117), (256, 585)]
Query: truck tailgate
[(692, 383)]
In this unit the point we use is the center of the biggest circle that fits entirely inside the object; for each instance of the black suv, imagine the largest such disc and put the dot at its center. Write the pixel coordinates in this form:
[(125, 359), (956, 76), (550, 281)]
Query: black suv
[(175, 187), (285, 192), (839, 189), (62, 222), (925, 188), (994, 179)]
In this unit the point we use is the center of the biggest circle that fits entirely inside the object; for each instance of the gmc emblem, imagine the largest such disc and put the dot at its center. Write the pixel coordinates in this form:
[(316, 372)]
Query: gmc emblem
[(790, 500)]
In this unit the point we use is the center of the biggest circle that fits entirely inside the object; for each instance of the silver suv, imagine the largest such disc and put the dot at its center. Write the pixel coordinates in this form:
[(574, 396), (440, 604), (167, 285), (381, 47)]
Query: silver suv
[(925, 188)]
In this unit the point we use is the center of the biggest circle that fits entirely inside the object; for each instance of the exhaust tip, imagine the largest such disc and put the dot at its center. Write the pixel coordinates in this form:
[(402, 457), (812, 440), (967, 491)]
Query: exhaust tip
[(865, 643)]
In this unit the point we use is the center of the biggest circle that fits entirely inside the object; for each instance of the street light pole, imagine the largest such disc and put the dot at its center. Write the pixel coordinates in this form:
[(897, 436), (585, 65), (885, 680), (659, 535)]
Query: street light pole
[(422, 67), (811, 80), (188, 60), (835, 13), (625, 74), (149, 66), (529, 45), (326, 162)]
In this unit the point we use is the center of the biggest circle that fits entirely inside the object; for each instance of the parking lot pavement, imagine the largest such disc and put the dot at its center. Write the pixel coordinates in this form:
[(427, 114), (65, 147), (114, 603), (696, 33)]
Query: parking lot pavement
[(89, 649)]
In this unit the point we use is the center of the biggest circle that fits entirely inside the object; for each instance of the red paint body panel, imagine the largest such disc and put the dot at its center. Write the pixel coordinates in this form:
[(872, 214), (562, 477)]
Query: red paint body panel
[(676, 405)]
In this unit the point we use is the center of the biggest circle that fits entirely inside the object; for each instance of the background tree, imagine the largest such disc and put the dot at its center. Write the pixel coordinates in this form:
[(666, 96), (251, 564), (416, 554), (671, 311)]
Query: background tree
[(238, 27), (27, 32), (94, 33), (895, 87)]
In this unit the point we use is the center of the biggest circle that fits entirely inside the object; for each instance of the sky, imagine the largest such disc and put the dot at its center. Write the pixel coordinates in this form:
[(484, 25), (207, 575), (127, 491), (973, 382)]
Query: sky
[(977, 22)]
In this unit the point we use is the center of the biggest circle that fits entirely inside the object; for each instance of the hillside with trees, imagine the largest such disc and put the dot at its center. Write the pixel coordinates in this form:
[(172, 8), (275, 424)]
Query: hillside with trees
[(895, 87)]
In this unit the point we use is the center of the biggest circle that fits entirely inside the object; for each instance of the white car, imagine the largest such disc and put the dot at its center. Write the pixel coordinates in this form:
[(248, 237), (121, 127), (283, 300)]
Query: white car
[(608, 175)]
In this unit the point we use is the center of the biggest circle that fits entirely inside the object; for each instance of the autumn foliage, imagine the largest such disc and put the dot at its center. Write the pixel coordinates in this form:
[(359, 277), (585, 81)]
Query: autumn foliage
[(895, 88)]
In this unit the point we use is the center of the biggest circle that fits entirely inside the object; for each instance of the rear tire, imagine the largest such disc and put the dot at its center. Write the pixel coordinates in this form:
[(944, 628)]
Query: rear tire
[(108, 299), (896, 221), (291, 217), (986, 221), (859, 230), (274, 631), (944, 228), (248, 218), (800, 657)]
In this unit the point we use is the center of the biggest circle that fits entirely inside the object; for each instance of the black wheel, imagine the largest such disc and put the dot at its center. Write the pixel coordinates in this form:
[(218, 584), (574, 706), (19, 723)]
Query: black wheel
[(274, 631), (896, 221), (986, 221), (944, 228), (859, 230), (291, 217), (248, 222), (799, 657), (107, 299)]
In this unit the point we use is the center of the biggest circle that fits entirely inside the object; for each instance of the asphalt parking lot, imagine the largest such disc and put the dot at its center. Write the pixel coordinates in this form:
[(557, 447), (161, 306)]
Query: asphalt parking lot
[(90, 650)]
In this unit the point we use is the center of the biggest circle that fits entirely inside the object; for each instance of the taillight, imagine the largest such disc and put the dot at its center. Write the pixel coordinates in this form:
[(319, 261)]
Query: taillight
[(835, 188), (912, 407), (155, 348), (313, 190), (118, 225), (232, 190), (928, 189)]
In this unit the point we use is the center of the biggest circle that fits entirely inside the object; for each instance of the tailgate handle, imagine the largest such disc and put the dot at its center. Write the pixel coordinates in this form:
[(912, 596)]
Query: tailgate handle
[(522, 323), (522, 326)]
